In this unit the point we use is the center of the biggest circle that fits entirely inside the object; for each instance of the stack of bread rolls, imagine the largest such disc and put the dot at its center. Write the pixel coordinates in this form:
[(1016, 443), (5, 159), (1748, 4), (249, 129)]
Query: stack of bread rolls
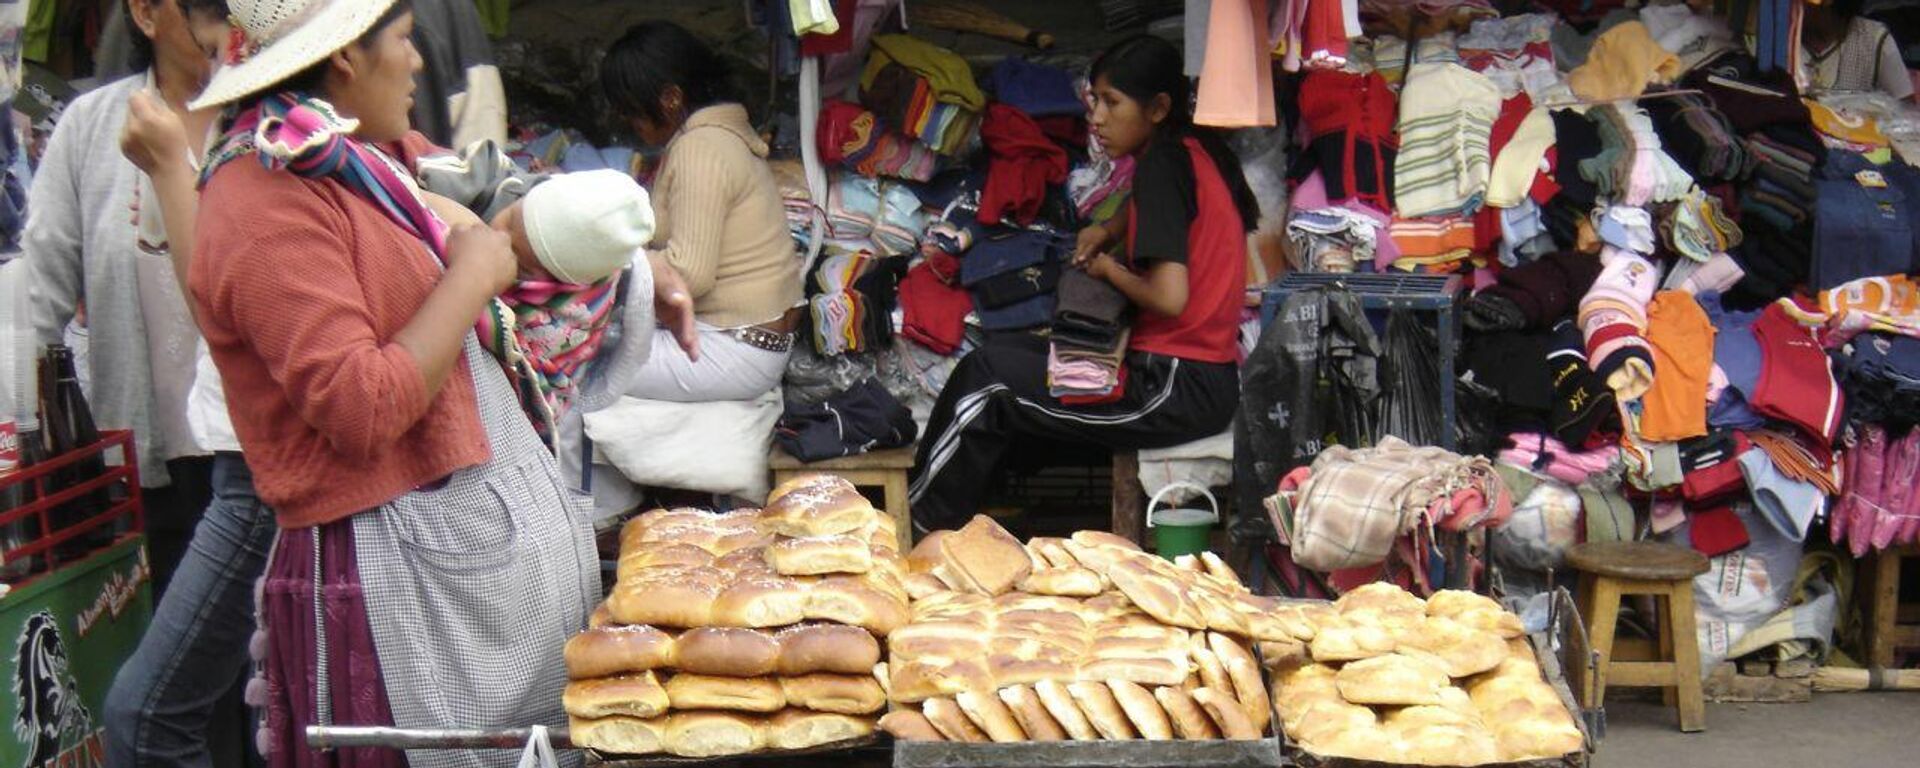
[(1391, 678), (741, 632), (1081, 638)]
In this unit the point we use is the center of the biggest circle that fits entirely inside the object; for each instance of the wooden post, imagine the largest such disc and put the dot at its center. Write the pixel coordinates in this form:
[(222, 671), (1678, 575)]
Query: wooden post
[(1129, 499)]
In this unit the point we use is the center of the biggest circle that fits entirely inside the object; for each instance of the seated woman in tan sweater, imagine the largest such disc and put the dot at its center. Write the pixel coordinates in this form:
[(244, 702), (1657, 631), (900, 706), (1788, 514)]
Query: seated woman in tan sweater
[(719, 218)]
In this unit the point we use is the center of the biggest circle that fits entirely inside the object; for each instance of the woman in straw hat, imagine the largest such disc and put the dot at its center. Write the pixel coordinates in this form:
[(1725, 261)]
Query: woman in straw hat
[(429, 566)]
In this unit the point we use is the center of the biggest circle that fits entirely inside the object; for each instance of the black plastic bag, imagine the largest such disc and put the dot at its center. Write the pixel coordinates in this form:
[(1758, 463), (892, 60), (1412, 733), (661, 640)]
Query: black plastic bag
[(1410, 406)]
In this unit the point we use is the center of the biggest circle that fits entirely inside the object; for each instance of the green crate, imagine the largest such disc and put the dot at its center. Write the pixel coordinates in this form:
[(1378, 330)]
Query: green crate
[(68, 632)]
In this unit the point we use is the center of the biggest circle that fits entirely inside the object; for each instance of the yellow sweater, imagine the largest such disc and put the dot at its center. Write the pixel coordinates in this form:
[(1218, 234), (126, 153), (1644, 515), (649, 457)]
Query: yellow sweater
[(721, 223)]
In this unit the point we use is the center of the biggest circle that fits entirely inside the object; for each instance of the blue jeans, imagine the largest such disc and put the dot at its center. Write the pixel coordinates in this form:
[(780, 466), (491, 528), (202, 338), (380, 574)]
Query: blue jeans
[(165, 696)]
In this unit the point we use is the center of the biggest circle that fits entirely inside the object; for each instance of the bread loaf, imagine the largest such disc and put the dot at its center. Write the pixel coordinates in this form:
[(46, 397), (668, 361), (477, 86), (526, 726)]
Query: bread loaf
[(1142, 710), (761, 603), (1096, 700), (1105, 539), (1219, 569), (1380, 604), (1245, 674), (1162, 598), (728, 652), (801, 729), (825, 508), (1032, 714), (909, 725), (1539, 737), (1213, 673), (1395, 679), (839, 694), (633, 695), (1350, 642), (926, 554), (947, 718), (602, 616), (685, 600), (820, 555), (1322, 719), (1066, 582), (1372, 743), (734, 694), (713, 734), (1188, 719), (884, 678), (1053, 551), (832, 648), (612, 650), (1065, 711), (916, 680), (1227, 713), (991, 716), (921, 586), (984, 558), (617, 735), (1475, 612)]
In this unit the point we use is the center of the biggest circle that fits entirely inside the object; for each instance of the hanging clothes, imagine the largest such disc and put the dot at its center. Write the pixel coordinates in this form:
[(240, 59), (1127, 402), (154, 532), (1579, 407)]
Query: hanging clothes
[(1236, 80)]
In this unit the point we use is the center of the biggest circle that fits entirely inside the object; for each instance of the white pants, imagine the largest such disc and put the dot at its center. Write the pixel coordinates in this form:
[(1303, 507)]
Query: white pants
[(728, 369)]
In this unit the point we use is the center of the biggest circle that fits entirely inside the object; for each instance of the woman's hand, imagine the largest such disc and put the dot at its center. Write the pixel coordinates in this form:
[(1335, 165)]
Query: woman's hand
[(484, 255), (154, 139), (673, 305), (1092, 240), (1101, 265)]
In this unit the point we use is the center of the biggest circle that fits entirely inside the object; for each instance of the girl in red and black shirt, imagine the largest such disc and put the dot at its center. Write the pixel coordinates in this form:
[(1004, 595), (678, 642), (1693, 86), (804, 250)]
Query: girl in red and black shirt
[(1186, 231)]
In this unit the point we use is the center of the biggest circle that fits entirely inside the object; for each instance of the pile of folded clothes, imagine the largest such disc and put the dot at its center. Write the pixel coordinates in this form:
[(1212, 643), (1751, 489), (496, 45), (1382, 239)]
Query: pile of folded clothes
[(852, 298), (886, 213), (1087, 362), (1011, 273), (926, 90), (852, 137)]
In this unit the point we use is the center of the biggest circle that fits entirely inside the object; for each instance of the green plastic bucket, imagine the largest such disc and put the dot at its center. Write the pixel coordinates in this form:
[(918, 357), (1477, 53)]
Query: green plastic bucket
[(1181, 530)]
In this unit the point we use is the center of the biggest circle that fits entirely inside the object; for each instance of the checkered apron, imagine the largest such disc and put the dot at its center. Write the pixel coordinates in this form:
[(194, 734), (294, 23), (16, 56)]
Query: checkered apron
[(473, 589)]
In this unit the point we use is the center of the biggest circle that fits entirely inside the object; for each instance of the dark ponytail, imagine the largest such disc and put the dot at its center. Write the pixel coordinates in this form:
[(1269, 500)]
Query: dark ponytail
[(1143, 67)]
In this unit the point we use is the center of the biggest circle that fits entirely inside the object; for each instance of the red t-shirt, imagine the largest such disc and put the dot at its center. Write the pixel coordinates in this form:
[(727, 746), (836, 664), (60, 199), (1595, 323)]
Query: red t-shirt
[(1181, 211)]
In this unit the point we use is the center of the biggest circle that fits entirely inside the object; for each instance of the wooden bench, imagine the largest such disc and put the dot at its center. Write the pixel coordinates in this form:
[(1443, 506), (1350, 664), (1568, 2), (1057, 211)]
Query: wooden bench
[(1891, 623), (885, 470), (1611, 570)]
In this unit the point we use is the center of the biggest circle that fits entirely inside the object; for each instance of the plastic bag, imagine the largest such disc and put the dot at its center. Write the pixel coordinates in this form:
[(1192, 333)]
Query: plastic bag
[(539, 751), (811, 378), (1410, 403)]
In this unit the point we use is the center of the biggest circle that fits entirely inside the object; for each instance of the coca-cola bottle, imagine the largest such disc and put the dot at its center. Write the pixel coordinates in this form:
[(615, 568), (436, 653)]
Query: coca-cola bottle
[(69, 426)]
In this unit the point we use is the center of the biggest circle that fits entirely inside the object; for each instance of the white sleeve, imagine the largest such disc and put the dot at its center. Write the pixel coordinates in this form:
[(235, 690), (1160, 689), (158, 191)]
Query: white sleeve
[(1895, 80)]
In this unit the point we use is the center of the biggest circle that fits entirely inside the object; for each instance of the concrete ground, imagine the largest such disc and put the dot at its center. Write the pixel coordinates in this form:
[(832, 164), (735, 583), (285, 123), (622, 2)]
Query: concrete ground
[(1855, 730)]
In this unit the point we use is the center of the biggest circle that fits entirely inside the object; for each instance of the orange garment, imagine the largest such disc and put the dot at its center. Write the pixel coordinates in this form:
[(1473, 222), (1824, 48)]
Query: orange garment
[(1682, 339), (301, 286), (1236, 79)]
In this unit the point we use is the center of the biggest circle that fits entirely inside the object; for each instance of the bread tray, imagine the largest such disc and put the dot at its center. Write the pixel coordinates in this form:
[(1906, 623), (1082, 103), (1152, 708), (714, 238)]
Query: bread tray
[(1213, 753), (1565, 634), (596, 757)]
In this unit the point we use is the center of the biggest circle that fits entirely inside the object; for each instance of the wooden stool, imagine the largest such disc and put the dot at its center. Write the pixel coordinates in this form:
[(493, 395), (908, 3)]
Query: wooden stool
[(883, 469), (1891, 624), (1610, 570)]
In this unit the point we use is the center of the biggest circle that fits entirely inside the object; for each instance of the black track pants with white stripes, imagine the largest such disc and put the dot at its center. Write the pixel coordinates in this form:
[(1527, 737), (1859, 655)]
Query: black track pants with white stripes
[(998, 395)]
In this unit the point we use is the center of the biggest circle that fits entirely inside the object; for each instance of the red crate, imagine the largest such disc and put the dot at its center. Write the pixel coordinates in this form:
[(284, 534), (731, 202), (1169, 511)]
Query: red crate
[(125, 477)]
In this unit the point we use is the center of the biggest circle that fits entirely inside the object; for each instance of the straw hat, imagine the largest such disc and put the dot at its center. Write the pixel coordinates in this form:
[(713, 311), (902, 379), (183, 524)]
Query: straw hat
[(282, 38)]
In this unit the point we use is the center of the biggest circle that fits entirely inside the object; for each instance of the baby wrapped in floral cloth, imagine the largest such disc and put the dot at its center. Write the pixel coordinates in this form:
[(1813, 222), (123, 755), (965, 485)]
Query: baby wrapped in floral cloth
[(574, 235)]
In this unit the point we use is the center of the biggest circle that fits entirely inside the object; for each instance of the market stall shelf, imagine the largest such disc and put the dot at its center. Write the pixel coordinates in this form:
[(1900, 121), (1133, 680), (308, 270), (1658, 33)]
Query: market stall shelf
[(1258, 753)]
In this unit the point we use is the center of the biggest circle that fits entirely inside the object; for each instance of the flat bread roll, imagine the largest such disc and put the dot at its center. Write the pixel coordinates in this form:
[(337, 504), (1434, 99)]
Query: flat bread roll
[(1278, 654), (1105, 539), (801, 729), (1064, 582), (684, 600), (952, 723), (1053, 551), (1535, 738), (727, 652), (909, 725), (1325, 719), (819, 555), (1189, 720), (1219, 569), (1416, 717), (925, 555), (1466, 652), (617, 735), (1218, 611), (1096, 700), (601, 617), (919, 679), (634, 695), (1227, 713), (1059, 702), (1392, 680), (921, 586), (1476, 612), (991, 716), (1350, 642), (1294, 687), (758, 602), (838, 694), (1032, 714), (1447, 745), (1374, 743), (1380, 603), (984, 557), (733, 694), (829, 648), (713, 734), (1142, 710), (613, 650), (883, 677)]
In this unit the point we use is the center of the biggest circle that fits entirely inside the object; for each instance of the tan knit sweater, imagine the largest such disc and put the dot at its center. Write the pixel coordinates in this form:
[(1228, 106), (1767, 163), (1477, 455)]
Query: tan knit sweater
[(721, 223)]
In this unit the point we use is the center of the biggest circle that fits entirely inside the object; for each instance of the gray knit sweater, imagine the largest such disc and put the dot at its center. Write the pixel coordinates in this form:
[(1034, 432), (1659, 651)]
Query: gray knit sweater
[(80, 245)]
